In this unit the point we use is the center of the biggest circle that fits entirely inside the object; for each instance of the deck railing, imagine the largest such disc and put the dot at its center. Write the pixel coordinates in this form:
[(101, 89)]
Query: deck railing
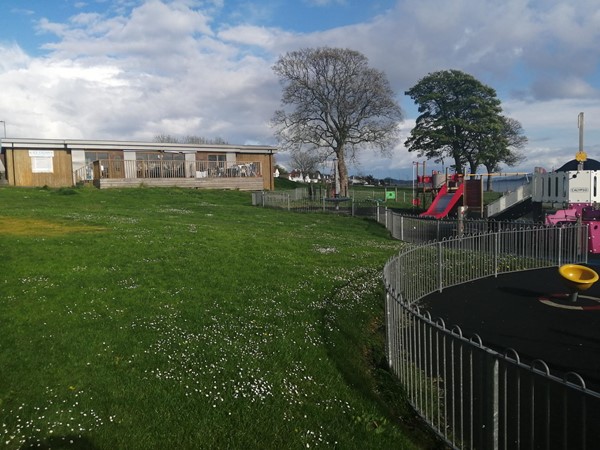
[(471, 395), (119, 168)]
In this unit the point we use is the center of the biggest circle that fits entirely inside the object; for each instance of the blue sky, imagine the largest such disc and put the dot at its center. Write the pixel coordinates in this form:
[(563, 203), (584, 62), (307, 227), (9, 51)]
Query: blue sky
[(132, 69)]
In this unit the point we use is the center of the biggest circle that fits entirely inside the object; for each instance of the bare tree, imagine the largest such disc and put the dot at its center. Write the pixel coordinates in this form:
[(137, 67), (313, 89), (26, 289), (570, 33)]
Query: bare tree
[(336, 103), (201, 140), (305, 161), (198, 140), (166, 139)]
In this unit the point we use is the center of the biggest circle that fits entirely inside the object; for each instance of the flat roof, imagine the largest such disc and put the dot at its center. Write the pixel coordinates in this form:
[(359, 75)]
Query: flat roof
[(80, 144)]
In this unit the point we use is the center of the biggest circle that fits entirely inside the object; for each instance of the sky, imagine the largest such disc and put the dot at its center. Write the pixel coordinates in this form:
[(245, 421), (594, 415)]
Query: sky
[(135, 69)]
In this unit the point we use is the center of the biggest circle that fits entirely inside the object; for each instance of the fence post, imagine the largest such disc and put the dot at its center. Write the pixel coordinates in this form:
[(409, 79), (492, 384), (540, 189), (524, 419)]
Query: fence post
[(390, 328), (402, 228), (492, 410), (288, 202), (262, 196), (559, 246), (496, 252), (440, 267)]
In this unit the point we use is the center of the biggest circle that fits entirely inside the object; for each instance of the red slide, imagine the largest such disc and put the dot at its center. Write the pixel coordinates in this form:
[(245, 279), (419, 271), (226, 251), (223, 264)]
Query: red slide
[(444, 202)]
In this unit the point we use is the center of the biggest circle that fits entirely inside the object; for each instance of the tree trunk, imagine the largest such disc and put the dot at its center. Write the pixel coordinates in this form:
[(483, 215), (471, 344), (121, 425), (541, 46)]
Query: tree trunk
[(343, 172), (489, 183), (489, 178), (472, 168), (457, 165)]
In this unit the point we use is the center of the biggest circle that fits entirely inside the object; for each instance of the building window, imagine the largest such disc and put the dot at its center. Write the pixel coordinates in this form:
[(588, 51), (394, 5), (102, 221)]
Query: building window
[(159, 156), (41, 161), (217, 160)]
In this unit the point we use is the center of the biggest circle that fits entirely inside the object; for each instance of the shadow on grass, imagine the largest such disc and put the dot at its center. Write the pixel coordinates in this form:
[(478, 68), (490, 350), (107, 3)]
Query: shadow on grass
[(355, 340)]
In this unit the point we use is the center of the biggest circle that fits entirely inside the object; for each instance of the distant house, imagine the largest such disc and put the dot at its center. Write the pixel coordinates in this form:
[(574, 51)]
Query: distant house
[(357, 180), (297, 175), (57, 163)]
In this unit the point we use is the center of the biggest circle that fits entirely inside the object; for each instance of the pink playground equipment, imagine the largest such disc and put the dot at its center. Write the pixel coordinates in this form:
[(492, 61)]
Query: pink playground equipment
[(575, 187)]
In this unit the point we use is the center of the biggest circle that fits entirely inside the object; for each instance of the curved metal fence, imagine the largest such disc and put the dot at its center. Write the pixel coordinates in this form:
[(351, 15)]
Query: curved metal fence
[(471, 395)]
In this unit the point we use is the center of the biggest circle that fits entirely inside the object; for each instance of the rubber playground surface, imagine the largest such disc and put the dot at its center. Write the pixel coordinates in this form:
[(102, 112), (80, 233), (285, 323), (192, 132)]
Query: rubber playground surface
[(532, 313)]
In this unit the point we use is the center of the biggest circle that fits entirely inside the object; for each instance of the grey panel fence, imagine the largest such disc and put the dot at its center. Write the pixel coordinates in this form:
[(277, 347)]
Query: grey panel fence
[(471, 395)]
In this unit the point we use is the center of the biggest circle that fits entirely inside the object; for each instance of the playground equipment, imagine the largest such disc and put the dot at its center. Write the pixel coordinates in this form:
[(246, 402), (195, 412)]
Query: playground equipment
[(449, 192), (577, 278), (574, 186), (570, 194)]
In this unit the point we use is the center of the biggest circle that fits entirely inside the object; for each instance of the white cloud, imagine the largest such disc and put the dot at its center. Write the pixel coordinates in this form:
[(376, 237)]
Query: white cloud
[(251, 35), (172, 67)]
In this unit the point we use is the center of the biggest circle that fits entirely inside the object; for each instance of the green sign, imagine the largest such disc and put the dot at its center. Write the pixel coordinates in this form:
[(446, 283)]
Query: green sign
[(390, 195)]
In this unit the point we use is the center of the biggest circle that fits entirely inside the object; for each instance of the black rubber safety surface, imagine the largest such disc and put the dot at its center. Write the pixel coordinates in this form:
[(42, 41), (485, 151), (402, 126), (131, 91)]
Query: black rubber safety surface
[(532, 313)]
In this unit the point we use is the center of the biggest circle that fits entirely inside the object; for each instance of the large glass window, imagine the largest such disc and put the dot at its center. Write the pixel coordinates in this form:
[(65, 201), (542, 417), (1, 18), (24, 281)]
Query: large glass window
[(159, 156), (217, 158), (95, 156)]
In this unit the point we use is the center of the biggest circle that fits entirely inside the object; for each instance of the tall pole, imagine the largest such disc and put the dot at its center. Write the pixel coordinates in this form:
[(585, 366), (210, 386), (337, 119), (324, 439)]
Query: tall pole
[(415, 167), (4, 123), (580, 126), (580, 156)]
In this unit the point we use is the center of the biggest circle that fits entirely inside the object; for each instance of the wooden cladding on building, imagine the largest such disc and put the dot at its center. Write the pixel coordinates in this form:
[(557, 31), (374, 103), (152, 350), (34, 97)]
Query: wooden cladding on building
[(52, 168)]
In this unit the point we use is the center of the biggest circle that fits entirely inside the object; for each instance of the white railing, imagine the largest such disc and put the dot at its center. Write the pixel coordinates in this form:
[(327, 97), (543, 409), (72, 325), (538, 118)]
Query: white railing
[(509, 199)]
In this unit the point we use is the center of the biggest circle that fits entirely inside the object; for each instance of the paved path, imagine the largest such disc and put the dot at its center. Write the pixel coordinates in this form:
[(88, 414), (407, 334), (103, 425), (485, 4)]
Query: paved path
[(529, 312)]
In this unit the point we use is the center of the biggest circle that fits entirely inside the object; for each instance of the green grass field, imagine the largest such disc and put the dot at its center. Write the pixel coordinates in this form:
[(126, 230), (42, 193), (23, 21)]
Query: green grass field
[(168, 318)]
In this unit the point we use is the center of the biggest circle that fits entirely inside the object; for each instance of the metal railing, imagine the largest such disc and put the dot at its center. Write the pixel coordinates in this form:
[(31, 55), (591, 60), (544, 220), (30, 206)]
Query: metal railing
[(419, 230), (119, 168), (315, 198), (509, 199), (471, 395)]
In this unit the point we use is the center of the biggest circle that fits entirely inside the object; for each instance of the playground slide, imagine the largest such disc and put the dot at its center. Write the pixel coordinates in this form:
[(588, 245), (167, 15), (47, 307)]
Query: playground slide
[(444, 202)]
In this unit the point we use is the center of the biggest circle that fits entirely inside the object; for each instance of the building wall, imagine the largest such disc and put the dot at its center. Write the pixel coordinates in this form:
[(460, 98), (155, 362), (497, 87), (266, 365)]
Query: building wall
[(572, 187), (21, 171), (55, 163), (266, 165)]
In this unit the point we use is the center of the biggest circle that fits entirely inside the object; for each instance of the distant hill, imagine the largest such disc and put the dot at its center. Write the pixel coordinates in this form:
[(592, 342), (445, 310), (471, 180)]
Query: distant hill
[(396, 182)]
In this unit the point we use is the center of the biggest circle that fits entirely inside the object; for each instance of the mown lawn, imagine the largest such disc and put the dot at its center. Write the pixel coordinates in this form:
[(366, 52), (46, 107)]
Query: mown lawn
[(167, 318)]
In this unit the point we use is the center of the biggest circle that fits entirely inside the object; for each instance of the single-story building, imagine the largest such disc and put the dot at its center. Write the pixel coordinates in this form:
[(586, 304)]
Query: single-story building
[(61, 163)]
